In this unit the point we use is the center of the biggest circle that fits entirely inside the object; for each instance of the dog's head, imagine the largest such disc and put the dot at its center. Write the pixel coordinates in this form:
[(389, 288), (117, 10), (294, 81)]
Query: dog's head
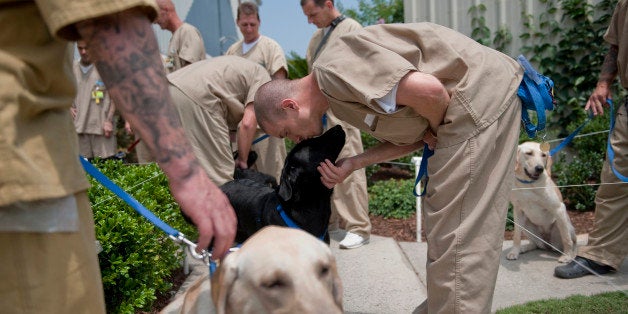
[(278, 270), (532, 162), (299, 173)]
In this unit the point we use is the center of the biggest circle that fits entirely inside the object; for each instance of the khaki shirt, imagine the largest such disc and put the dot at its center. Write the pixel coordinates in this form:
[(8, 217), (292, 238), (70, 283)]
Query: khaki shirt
[(186, 44), (617, 34), (266, 52), (91, 109), (38, 144), (227, 81), (481, 81), (346, 26)]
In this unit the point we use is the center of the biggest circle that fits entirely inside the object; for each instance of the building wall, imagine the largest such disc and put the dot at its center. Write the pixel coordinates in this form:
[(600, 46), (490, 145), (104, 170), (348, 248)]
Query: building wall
[(455, 14)]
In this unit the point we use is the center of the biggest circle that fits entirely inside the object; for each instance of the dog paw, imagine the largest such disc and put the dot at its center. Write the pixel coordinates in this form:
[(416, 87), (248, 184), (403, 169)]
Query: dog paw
[(513, 254)]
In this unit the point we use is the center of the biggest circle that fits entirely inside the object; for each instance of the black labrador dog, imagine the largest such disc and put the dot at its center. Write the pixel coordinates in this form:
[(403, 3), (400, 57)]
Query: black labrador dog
[(301, 195), (253, 174)]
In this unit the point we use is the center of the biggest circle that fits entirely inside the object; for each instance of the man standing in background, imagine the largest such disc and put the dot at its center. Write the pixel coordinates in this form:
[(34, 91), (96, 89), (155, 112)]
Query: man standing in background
[(92, 109), (265, 51), (350, 198), (607, 244), (186, 45)]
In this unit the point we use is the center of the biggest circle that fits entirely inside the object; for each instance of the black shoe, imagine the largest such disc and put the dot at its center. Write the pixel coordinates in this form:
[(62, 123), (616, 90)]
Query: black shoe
[(575, 269)]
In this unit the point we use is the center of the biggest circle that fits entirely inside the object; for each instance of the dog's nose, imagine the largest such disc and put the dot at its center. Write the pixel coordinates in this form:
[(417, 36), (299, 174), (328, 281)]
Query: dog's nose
[(538, 169)]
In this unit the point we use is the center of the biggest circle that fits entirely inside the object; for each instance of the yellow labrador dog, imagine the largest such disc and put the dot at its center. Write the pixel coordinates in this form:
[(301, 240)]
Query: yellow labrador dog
[(277, 270), (538, 206)]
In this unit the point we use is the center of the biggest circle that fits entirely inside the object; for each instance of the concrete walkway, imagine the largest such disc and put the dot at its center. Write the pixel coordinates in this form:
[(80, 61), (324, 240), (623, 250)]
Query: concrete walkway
[(389, 277)]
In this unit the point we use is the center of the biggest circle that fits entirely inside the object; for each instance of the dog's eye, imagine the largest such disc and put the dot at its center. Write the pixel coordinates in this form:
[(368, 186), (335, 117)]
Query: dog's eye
[(323, 270), (544, 155), (529, 153)]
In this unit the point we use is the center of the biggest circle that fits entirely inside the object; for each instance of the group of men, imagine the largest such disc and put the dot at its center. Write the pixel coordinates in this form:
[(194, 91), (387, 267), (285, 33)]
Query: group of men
[(214, 99), (406, 84)]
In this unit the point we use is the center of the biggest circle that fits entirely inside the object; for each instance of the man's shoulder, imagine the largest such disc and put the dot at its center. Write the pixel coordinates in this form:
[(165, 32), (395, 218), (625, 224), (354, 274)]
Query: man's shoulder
[(270, 42), (187, 29), (235, 48), (350, 23)]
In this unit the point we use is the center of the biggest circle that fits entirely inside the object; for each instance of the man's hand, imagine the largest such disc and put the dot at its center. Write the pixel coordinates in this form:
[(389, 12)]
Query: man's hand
[(107, 128), (597, 100), (209, 209), (430, 139), (333, 174)]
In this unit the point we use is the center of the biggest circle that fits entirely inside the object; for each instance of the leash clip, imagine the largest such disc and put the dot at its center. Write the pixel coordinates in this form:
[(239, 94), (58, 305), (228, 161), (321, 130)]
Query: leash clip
[(205, 256)]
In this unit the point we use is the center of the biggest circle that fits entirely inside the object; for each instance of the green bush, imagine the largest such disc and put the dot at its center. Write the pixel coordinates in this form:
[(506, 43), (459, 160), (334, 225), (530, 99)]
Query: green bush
[(137, 258), (392, 198)]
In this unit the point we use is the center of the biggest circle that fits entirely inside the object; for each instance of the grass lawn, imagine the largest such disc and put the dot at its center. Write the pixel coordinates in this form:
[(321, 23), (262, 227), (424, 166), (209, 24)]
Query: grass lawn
[(607, 303)]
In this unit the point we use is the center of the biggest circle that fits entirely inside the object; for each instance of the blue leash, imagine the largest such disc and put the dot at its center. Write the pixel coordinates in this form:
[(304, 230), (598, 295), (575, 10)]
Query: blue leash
[(175, 235), (290, 223), (571, 136), (609, 149), (427, 153)]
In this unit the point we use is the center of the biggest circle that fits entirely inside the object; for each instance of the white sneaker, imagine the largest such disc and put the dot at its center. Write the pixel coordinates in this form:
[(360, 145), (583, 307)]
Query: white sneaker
[(352, 241)]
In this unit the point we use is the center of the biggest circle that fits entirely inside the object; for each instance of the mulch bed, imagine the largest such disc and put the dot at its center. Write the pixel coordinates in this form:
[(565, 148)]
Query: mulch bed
[(404, 230)]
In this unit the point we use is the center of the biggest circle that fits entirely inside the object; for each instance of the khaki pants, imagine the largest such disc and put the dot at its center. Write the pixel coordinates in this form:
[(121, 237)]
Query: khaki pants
[(144, 155), (465, 214), (271, 154), (52, 272), (608, 242), (350, 198), (207, 131), (92, 145)]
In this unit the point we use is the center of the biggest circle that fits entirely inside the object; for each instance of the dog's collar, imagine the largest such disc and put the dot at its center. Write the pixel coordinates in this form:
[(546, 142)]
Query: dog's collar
[(290, 223)]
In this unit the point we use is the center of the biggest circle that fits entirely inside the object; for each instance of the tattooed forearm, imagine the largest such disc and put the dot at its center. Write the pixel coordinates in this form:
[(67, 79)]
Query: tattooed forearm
[(609, 67), (126, 55)]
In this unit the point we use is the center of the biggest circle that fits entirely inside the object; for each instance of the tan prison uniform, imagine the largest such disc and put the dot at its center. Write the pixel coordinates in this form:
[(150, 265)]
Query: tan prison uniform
[(53, 272), (608, 242), (350, 198), (93, 109), (271, 151), (471, 170), (210, 96), (186, 44)]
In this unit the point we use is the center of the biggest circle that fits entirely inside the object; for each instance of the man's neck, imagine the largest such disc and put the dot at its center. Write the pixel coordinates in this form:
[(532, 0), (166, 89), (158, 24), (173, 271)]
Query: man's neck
[(252, 40), (319, 102), (176, 24)]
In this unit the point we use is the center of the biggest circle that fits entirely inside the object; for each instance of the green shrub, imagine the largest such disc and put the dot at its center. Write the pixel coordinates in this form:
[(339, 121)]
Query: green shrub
[(392, 198), (137, 257)]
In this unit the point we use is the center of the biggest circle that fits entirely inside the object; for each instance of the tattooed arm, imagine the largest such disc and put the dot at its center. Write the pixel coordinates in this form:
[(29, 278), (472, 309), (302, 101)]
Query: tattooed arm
[(124, 49), (603, 89)]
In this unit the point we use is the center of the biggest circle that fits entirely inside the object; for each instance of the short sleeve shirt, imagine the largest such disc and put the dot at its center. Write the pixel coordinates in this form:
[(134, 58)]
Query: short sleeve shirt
[(617, 34), (186, 44), (266, 52), (481, 81), (228, 81), (38, 144)]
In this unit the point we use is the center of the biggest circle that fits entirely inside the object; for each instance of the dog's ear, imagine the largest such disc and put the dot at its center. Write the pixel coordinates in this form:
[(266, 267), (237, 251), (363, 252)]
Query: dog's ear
[(223, 280), (548, 165)]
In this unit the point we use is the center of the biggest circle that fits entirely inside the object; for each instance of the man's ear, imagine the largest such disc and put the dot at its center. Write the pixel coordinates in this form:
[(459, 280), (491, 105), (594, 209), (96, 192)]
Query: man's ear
[(290, 104)]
